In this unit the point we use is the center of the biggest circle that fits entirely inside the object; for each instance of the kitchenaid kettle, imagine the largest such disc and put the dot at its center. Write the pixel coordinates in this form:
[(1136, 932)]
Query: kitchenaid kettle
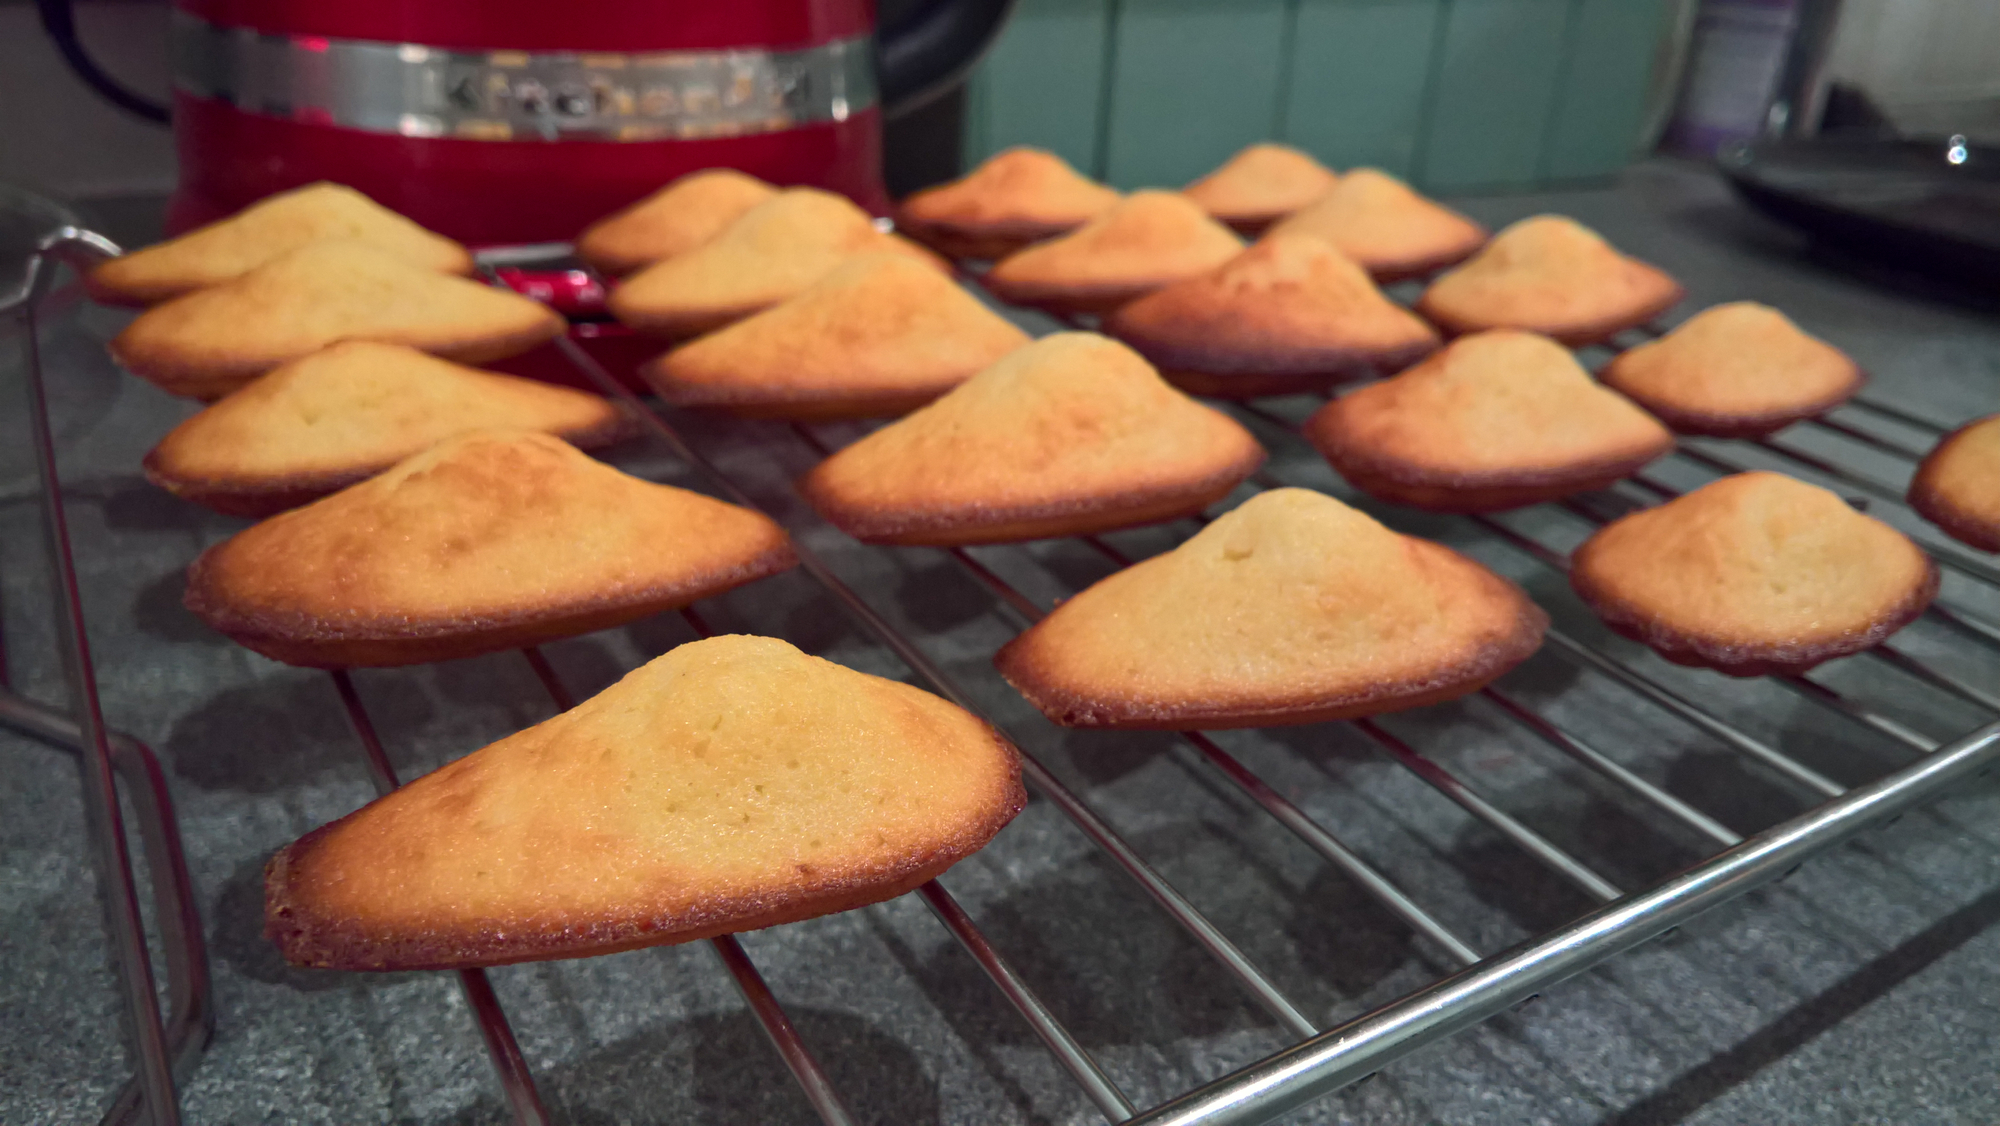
[(510, 121)]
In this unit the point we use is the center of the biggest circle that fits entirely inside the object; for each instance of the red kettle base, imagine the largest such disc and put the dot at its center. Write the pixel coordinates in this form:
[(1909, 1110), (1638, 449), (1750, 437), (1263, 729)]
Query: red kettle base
[(494, 192)]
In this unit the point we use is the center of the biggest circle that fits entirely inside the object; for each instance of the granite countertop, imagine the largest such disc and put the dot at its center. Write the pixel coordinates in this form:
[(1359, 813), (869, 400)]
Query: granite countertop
[(1858, 990)]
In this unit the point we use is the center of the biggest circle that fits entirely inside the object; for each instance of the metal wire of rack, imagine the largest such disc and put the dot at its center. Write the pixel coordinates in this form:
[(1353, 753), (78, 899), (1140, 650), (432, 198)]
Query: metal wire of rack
[(1273, 1086), (166, 1046), (1477, 984), (1326, 1060)]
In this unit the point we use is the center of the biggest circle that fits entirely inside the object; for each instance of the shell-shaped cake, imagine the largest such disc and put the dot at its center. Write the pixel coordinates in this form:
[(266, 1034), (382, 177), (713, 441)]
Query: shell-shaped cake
[(1736, 370), (1074, 433), (731, 784), (1018, 196), (208, 343), (341, 415), (1497, 420), (1958, 485), (1554, 276), (880, 335), (1289, 314), (488, 541), (1382, 223), (1292, 608), (1147, 240), (771, 252), (1755, 573), (1260, 185), (233, 246), (674, 220)]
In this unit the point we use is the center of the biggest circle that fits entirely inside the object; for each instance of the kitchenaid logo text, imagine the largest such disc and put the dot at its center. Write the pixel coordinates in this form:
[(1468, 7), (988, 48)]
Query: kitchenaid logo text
[(780, 87), (422, 91)]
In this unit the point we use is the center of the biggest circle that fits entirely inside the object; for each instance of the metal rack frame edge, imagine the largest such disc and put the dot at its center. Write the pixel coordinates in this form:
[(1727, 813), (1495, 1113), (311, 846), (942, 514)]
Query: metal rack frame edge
[(164, 1049)]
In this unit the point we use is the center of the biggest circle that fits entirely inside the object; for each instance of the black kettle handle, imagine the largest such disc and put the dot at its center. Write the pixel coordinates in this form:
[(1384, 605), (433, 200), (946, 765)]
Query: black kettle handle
[(60, 22), (933, 47)]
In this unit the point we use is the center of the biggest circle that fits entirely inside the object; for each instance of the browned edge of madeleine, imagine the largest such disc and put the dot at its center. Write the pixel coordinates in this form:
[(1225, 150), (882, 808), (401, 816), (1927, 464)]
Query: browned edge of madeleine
[(392, 640), (1939, 508), (1020, 667), (1739, 657), (305, 939), (958, 526)]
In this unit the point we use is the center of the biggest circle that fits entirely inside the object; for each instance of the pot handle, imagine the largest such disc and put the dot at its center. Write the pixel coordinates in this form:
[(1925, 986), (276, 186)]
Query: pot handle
[(933, 47), (60, 22)]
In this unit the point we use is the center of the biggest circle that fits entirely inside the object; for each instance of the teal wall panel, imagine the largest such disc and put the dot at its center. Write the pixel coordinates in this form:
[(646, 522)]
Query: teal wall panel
[(1455, 95), (1360, 73), (1497, 73), (1042, 83), (1610, 70), (1192, 81)]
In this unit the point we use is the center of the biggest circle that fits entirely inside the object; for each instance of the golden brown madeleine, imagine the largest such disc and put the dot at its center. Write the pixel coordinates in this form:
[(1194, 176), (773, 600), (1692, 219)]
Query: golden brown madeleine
[(1289, 314), (1755, 573), (1378, 221), (490, 540), (1735, 370), (1958, 485), (1554, 276), (774, 251), (1147, 240), (322, 422), (1260, 185), (1074, 433), (674, 220), (229, 248), (731, 784), (880, 335), (1293, 608), (1016, 197), (893, 243), (1497, 420), (205, 344)]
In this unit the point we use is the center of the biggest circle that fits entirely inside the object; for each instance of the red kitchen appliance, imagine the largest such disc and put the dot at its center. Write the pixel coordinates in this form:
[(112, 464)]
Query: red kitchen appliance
[(518, 121)]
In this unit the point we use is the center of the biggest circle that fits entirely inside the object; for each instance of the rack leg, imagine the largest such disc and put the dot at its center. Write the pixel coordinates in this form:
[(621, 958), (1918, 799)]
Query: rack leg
[(109, 851)]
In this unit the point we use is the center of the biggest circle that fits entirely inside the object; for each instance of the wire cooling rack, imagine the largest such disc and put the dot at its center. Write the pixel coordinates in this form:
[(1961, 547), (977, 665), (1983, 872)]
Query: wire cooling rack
[(1477, 983), (165, 1044)]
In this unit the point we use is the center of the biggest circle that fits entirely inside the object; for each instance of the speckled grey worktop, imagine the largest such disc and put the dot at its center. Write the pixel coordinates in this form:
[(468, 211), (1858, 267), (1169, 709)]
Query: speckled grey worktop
[(1862, 989)]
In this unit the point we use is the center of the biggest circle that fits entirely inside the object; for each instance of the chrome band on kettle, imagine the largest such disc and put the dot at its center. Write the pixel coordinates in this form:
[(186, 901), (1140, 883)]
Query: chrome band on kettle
[(418, 91)]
